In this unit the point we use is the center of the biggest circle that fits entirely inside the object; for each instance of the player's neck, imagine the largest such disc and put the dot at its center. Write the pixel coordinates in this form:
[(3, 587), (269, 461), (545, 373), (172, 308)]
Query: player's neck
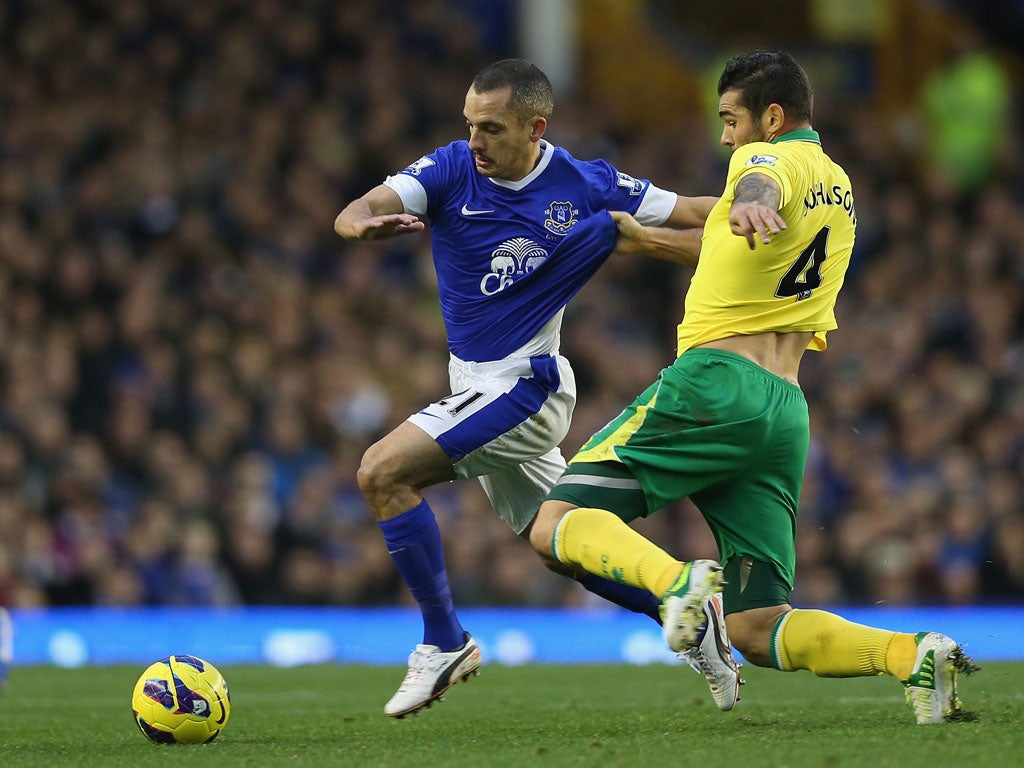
[(531, 164), (788, 127)]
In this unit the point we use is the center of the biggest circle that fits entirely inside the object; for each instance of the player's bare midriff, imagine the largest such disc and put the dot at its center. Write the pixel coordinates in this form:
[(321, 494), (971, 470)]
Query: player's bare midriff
[(778, 353)]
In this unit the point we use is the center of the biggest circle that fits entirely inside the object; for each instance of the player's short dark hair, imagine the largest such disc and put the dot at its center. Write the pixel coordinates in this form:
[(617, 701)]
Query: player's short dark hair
[(531, 90), (769, 77)]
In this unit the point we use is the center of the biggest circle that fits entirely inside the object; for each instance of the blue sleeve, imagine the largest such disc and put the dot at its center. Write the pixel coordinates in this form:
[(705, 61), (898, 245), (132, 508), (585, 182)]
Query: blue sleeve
[(613, 189), (435, 173)]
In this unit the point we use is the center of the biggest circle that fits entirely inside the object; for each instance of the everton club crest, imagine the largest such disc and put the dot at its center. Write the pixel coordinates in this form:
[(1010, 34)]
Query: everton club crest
[(560, 217)]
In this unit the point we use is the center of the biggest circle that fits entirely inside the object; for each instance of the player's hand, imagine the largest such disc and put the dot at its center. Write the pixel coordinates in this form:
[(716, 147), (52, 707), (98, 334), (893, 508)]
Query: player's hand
[(755, 221), (388, 226), (631, 232)]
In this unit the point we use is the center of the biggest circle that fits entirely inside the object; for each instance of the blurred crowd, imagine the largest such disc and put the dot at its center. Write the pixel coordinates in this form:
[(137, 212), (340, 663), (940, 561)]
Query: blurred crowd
[(192, 362)]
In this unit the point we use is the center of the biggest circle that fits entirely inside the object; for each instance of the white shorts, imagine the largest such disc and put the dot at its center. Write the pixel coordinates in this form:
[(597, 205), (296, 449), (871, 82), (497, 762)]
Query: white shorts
[(503, 424)]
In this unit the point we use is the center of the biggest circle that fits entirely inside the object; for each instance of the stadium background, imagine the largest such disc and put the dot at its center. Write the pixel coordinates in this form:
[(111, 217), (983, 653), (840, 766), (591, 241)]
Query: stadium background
[(191, 362)]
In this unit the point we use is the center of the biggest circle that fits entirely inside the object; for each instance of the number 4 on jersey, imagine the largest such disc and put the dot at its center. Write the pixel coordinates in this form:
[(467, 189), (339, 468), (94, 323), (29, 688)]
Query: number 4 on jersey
[(804, 275)]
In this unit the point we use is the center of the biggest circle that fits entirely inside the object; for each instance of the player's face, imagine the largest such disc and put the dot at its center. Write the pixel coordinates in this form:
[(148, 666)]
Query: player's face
[(504, 146), (740, 126)]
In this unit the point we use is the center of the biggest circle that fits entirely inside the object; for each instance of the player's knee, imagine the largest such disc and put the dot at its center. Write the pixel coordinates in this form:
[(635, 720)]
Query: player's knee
[(544, 553), (542, 530), (536, 539), (560, 568), (752, 649), (750, 632), (375, 475), (552, 564)]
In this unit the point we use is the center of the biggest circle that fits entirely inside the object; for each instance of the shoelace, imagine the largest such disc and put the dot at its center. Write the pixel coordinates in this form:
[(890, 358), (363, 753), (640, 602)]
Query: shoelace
[(698, 663), (419, 663)]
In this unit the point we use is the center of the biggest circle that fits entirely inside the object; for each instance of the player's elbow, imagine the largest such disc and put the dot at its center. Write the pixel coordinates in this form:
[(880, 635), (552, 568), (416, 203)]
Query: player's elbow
[(343, 227)]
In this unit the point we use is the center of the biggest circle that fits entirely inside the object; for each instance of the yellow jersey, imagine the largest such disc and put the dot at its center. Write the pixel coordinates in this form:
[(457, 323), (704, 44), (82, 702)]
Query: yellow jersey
[(790, 284)]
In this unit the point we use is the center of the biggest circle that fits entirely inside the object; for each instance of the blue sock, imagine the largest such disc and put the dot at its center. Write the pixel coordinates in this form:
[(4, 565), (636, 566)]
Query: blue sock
[(414, 543), (635, 599)]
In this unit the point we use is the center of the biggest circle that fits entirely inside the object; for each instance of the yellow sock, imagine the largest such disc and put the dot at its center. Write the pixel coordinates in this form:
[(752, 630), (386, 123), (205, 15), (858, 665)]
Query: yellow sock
[(601, 543), (900, 656), (829, 645)]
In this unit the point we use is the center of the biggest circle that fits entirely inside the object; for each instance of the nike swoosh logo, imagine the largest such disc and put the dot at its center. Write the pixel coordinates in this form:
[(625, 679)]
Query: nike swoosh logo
[(467, 212), (223, 711)]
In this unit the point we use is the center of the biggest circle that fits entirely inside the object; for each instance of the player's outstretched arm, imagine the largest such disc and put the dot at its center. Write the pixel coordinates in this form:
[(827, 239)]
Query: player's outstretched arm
[(679, 245), (690, 212), (755, 209), (377, 215)]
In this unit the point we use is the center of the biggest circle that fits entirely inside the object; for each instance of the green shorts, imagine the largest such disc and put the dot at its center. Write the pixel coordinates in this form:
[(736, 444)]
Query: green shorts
[(718, 429)]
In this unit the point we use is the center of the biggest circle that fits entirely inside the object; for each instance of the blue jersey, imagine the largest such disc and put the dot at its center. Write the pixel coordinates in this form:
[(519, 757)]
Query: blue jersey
[(510, 254)]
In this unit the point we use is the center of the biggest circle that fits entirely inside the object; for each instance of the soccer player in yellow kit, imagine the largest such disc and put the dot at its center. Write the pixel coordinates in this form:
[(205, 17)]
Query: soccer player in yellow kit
[(727, 425)]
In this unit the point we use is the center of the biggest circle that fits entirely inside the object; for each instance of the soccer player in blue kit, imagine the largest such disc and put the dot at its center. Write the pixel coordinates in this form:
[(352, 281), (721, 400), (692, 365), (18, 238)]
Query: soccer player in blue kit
[(518, 225)]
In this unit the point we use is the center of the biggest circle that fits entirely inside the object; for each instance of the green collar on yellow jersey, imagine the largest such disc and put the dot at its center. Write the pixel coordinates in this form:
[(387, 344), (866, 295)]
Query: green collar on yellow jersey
[(805, 134)]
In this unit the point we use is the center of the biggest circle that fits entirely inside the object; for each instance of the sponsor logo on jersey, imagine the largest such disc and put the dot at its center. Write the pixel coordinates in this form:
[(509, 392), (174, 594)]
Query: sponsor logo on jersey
[(512, 259), (560, 217), (416, 168), (467, 211), (761, 160)]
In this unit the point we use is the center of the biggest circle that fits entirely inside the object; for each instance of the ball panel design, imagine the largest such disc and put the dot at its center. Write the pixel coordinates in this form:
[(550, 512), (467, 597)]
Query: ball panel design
[(181, 700)]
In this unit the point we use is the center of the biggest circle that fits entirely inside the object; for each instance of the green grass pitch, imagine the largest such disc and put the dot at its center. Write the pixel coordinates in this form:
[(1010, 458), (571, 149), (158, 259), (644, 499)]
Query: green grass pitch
[(601, 716)]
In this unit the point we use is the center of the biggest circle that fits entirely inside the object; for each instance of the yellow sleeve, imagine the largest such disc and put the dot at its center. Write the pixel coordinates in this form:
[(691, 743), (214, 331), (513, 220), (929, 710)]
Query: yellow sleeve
[(759, 157)]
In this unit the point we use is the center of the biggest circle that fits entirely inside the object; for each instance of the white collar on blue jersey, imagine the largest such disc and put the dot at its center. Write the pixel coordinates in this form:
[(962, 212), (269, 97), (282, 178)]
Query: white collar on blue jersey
[(547, 151)]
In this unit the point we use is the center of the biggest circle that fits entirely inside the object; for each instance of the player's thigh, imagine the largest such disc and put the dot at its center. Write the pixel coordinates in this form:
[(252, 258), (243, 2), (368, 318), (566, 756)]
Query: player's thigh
[(604, 485), (601, 478), (754, 512), (405, 456), (698, 425), (497, 424), (655, 451), (753, 519)]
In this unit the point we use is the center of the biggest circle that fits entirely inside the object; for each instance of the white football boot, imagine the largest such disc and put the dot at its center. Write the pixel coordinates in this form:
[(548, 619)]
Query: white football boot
[(431, 673), (931, 689), (712, 657)]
